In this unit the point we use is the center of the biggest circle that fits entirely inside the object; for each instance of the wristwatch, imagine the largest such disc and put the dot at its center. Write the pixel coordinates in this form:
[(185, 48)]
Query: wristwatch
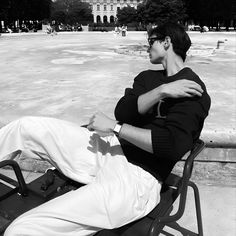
[(117, 128)]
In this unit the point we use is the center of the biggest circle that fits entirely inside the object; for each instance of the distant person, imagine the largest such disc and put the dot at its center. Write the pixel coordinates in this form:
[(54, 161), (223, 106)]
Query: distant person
[(9, 30), (53, 31), (61, 27), (149, 27), (117, 31), (123, 30), (122, 161), (48, 29)]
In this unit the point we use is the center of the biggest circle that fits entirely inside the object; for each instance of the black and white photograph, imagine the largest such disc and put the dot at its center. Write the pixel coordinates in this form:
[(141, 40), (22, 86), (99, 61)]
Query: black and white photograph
[(117, 117)]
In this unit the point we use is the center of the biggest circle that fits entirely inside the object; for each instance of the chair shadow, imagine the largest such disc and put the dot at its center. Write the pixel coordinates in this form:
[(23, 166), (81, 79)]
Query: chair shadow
[(182, 230)]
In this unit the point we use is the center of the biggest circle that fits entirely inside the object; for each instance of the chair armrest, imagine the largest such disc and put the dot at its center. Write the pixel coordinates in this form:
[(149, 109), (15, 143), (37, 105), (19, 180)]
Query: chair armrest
[(21, 182)]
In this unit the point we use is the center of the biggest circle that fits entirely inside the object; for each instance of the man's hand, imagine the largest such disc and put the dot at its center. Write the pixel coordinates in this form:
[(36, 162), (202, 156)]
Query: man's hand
[(101, 123), (177, 89), (181, 88)]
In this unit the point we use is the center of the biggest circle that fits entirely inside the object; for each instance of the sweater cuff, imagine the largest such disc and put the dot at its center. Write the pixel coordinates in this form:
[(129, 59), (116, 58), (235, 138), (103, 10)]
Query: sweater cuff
[(162, 142), (127, 110)]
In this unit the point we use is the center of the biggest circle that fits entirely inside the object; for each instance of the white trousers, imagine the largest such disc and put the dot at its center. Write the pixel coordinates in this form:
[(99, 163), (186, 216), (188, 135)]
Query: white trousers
[(116, 191)]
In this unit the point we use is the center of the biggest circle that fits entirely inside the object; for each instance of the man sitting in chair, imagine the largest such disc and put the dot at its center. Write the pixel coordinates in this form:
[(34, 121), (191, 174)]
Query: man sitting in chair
[(157, 122)]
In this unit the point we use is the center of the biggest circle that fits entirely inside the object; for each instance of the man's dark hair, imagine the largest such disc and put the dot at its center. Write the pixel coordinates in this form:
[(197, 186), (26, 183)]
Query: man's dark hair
[(179, 38)]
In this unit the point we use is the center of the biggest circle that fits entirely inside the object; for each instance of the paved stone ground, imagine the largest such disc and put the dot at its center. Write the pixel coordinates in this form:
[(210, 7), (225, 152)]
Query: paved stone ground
[(71, 75)]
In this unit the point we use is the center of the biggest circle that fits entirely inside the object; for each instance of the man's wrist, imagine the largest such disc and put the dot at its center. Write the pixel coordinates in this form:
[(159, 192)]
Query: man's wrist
[(160, 94), (117, 128)]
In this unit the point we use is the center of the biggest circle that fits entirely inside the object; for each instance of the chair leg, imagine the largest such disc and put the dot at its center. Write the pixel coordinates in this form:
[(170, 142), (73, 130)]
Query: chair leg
[(198, 207)]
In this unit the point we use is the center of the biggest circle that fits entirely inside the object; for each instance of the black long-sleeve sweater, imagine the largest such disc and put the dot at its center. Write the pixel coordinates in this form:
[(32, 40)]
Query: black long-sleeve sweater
[(175, 124)]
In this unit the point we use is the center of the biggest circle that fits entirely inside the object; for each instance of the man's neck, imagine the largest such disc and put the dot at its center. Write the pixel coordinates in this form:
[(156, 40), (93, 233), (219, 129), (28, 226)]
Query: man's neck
[(173, 65)]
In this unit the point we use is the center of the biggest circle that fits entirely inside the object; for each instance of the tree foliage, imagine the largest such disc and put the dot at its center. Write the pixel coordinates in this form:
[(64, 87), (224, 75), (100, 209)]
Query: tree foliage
[(11, 10), (71, 12), (211, 12), (127, 15), (23, 10), (159, 11), (64, 11), (203, 12), (153, 11), (4, 7)]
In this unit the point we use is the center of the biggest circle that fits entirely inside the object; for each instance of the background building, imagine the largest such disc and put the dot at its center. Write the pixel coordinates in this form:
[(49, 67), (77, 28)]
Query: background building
[(106, 10)]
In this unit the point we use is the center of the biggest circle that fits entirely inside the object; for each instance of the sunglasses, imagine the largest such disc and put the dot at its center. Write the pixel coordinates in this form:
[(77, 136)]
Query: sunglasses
[(152, 40)]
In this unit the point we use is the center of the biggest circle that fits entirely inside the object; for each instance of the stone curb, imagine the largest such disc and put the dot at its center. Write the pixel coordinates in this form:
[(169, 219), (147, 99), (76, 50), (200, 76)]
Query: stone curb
[(219, 138)]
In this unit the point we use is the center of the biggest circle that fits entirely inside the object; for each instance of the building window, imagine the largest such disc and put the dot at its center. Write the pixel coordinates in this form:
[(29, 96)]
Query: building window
[(111, 7), (112, 19), (105, 7), (98, 19), (104, 19), (98, 7)]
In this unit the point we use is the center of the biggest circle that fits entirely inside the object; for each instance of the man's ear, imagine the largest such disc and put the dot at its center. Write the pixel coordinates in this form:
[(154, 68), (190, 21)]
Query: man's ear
[(167, 42)]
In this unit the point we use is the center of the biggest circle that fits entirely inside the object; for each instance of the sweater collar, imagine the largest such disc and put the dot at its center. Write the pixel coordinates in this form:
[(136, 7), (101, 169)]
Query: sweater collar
[(175, 76)]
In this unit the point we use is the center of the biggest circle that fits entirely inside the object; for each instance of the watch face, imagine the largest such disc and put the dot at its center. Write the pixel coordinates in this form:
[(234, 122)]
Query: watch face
[(117, 128)]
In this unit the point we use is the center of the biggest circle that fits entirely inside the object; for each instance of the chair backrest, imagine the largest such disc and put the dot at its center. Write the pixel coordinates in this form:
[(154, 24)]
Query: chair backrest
[(188, 166), (181, 185), (181, 182)]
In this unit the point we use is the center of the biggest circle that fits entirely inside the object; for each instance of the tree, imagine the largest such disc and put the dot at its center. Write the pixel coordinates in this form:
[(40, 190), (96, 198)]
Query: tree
[(71, 12), (210, 13), (4, 8), (12, 10), (23, 10), (4, 5), (38, 9), (159, 11), (127, 15)]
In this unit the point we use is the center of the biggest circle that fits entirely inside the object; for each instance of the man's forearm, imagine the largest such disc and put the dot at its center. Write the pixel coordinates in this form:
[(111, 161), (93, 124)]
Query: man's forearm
[(149, 99), (139, 137)]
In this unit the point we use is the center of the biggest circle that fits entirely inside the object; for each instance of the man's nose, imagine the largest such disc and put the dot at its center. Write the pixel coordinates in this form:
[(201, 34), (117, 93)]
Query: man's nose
[(148, 50)]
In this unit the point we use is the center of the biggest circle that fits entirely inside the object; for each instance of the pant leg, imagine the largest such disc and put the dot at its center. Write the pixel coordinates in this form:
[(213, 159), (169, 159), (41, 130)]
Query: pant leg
[(69, 147), (120, 193)]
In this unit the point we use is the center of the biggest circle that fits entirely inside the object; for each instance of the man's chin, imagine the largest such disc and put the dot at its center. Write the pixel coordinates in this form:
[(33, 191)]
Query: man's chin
[(155, 62)]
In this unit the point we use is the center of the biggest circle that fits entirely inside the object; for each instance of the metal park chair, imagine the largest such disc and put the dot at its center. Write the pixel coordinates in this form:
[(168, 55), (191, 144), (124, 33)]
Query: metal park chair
[(174, 187), (20, 197)]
